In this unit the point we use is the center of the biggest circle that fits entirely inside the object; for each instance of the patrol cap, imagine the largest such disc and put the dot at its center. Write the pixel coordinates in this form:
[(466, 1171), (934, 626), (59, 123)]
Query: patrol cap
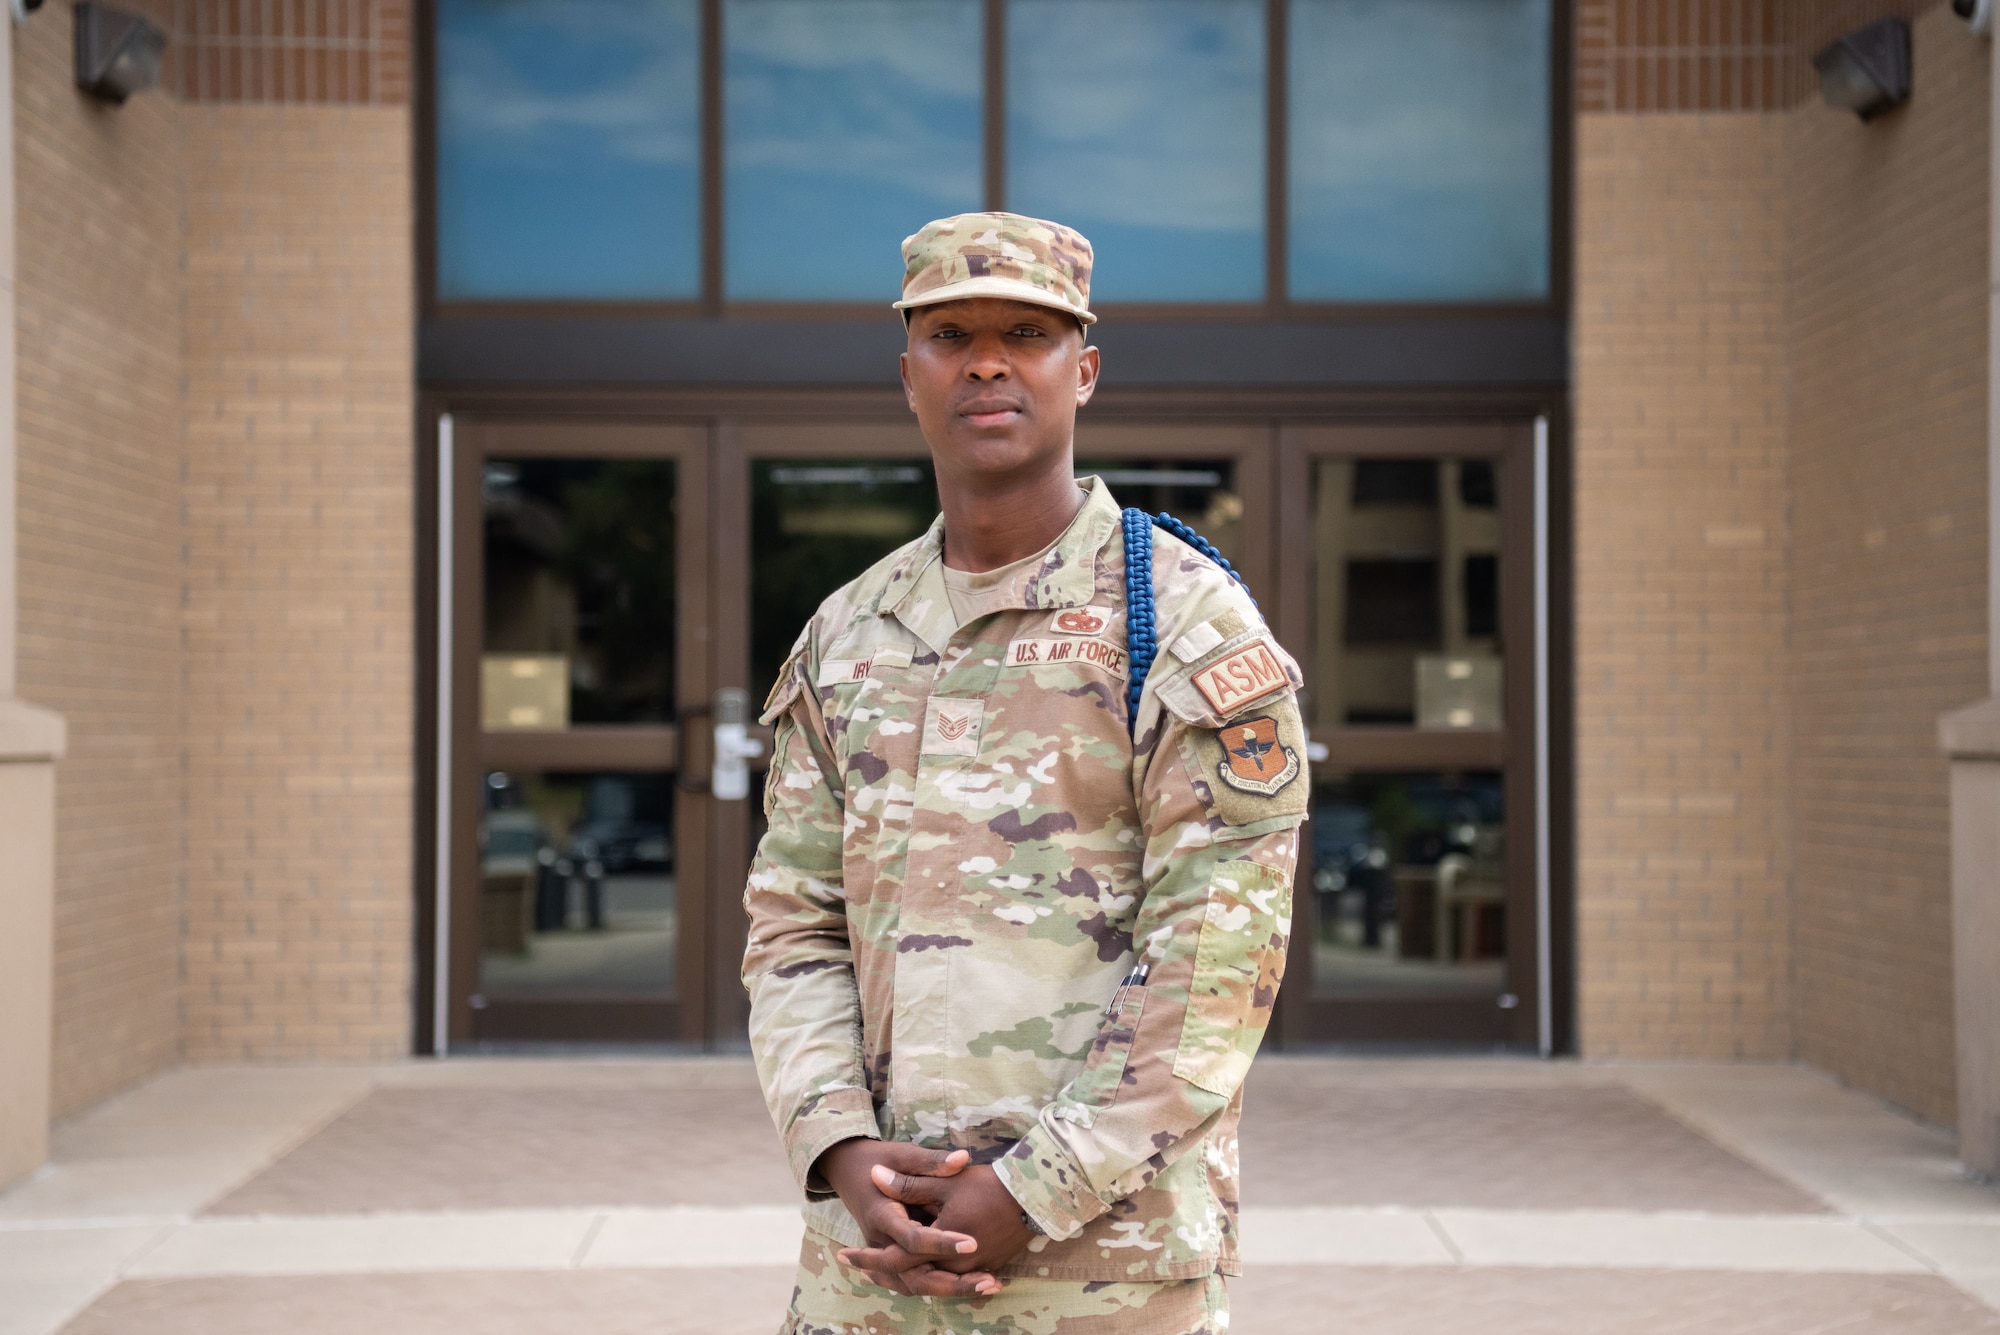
[(997, 255)]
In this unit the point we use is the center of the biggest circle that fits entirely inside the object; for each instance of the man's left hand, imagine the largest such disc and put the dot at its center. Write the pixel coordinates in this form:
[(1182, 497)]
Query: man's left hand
[(975, 1202)]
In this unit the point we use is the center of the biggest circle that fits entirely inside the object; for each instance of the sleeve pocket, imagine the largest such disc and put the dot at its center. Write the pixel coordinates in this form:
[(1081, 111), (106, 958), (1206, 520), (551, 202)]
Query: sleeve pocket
[(1103, 1076), (1237, 966)]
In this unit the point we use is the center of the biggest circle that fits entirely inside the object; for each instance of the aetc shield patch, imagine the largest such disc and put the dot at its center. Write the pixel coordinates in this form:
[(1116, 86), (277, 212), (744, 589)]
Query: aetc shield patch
[(1254, 760)]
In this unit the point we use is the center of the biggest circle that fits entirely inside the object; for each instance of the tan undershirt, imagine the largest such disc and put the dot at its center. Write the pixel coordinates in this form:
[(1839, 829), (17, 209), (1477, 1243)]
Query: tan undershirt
[(971, 592)]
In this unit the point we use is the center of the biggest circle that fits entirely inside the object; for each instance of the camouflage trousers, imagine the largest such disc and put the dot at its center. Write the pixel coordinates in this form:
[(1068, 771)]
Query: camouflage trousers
[(830, 1299)]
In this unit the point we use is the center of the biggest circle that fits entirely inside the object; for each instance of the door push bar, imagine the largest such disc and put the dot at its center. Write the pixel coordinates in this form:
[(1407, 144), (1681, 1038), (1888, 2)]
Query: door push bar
[(728, 775), (735, 748)]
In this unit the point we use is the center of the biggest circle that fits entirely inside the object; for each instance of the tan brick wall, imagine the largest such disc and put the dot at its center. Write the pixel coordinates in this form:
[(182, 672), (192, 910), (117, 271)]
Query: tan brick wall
[(300, 571), (1889, 308), (1682, 709), (1781, 424), (98, 319)]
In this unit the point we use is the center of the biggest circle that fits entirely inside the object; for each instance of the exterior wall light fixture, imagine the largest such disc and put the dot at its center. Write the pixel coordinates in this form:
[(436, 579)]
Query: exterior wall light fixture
[(1867, 71), (117, 54), (23, 8), (1977, 13)]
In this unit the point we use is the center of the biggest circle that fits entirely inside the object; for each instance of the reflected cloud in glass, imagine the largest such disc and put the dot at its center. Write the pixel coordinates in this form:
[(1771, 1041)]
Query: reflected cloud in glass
[(1141, 124), (1419, 150), (851, 123), (568, 149)]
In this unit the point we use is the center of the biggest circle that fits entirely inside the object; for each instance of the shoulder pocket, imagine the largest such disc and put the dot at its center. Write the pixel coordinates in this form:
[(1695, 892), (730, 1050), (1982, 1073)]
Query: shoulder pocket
[(791, 680), (1242, 673)]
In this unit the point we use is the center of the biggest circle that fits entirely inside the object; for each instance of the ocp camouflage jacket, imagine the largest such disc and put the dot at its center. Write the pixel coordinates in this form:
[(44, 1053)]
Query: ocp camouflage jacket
[(966, 855)]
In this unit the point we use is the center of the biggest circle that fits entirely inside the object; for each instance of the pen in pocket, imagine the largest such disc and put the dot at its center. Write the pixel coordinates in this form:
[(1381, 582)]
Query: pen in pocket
[(1136, 978)]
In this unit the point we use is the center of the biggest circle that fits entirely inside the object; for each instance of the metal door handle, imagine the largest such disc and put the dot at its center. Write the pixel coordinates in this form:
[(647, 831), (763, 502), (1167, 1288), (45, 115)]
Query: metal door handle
[(729, 777)]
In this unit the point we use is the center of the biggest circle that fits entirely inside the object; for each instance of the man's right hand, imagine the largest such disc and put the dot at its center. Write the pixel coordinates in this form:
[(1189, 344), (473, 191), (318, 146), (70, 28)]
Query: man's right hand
[(849, 1169)]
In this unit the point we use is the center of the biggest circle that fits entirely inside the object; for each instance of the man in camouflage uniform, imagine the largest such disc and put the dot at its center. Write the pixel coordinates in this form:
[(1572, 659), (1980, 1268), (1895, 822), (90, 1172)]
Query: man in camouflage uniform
[(1010, 956)]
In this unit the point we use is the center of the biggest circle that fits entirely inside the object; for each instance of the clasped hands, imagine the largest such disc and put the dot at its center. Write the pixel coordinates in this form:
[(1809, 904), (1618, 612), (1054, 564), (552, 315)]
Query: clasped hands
[(935, 1223)]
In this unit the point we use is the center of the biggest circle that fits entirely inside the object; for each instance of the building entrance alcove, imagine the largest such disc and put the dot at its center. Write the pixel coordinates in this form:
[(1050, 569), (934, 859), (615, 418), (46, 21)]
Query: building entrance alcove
[(618, 590), (656, 243)]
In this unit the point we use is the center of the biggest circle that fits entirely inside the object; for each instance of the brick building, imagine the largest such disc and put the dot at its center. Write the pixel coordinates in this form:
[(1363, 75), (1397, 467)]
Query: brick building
[(398, 490)]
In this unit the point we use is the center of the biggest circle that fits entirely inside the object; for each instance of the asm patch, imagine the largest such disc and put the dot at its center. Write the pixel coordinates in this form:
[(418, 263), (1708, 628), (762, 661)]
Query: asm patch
[(1251, 673), (1254, 760)]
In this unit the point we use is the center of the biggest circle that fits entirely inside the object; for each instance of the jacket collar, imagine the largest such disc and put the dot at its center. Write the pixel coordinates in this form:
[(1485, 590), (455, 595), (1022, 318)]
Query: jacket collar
[(915, 594)]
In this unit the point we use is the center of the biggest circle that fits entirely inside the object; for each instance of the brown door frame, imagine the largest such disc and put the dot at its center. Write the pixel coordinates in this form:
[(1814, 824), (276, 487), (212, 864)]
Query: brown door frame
[(1307, 1018)]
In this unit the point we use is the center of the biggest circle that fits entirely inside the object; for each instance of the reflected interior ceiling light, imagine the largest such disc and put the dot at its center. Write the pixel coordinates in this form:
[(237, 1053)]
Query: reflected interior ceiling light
[(1867, 71), (1159, 477), (117, 54), (837, 476)]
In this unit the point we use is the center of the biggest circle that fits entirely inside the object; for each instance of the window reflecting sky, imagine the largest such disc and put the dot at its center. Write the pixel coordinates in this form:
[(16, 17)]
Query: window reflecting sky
[(568, 149), (851, 123), (1141, 124), (1419, 150)]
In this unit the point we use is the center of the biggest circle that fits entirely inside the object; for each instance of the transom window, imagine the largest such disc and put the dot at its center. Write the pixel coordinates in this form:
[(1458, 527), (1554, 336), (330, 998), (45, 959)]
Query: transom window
[(1226, 152)]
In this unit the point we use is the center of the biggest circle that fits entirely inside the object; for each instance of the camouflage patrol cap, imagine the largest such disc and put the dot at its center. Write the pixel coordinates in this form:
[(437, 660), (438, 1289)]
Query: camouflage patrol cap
[(997, 255)]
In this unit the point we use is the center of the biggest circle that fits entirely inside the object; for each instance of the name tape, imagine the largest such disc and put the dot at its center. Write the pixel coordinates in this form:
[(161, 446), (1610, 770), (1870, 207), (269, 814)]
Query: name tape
[(841, 671)]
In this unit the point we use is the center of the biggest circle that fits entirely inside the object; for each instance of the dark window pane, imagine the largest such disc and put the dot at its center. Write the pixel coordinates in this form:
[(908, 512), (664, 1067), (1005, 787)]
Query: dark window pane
[(568, 149), (1419, 150), (1395, 482), (815, 525), (579, 592), (1477, 486), (1141, 124), (851, 124), (1392, 602), (1482, 595)]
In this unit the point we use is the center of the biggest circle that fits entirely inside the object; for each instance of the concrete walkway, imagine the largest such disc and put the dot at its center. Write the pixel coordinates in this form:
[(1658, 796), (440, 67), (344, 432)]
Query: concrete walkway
[(613, 1196)]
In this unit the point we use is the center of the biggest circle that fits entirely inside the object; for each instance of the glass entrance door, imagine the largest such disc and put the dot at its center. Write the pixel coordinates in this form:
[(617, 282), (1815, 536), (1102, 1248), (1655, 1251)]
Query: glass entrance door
[(1410, 602), (578, 573), (618, 588)]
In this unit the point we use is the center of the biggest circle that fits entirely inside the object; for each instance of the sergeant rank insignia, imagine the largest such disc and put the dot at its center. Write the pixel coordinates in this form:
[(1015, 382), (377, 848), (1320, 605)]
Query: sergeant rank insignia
[(1257, 762)]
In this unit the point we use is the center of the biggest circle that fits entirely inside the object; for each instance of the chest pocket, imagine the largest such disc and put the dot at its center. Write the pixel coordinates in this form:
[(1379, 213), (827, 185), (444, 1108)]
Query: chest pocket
[(866, 697)]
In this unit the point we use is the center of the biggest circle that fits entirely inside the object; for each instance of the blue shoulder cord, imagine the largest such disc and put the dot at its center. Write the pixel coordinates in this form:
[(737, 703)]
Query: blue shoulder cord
[(1140, 623)]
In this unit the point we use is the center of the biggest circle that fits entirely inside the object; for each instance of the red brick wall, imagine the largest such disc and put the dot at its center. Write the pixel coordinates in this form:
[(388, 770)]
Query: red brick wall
[(1710, 55), (293, 52)]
